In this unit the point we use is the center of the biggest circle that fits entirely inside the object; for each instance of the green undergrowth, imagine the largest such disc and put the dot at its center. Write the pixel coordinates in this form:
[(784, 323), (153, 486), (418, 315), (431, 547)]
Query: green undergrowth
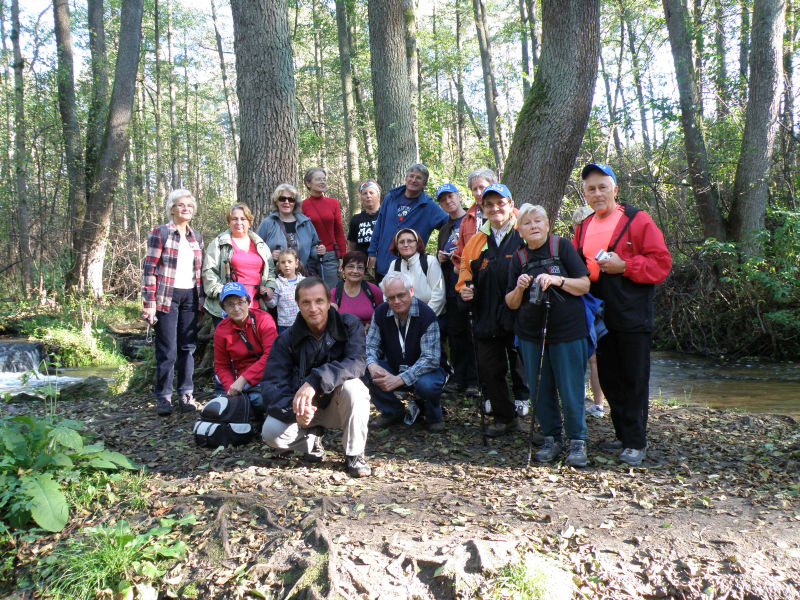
[(536, 577)]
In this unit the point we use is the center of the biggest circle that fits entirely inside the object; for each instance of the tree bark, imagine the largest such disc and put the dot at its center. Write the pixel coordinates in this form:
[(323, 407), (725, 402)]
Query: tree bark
[(224, 72), (553, 118), (489, 86), (346, 75), (410, 22), (160, 179), (268, 122), (98, 109), (531, 10), (761, 123), (526, 64), (699, 48), (637, 77), (319, 93), (174, 171), (90, 254), (392, 98), (706, 195), (21, 156), (723, 99), (744, 48)]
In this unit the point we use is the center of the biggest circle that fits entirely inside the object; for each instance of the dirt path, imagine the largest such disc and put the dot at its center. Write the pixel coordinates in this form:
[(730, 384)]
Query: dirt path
[(715, 513)]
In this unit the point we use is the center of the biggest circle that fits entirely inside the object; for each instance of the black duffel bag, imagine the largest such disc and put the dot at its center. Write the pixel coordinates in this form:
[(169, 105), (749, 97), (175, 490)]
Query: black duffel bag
[(224, 421)]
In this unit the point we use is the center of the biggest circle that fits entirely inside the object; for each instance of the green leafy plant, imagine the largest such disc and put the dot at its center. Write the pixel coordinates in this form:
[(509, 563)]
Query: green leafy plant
[(111, 557), (38, 457)]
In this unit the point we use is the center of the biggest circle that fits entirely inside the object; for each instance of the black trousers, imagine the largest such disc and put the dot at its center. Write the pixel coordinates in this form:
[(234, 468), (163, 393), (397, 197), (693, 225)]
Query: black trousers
[(492, 369), (519, 383), (623, 364), (462, 355)]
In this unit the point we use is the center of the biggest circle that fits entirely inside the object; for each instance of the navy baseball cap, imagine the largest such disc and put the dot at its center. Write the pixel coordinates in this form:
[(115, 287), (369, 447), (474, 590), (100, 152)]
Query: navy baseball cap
[(605, 169), (445, 188), (497, 188), (233, 288)]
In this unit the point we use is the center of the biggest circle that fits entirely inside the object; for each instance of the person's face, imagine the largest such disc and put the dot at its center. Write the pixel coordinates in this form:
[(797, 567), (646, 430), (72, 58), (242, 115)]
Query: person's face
[(398, 297), (239, 225), (314, 303), (371, 199), (237, 307), (287, 264), (183, 210), (600, 193), (478, 185), (497, 209), (318, 183), (415, 183), (286, 203), (450, 202), (534, 227), (354, 271), (406, 245)]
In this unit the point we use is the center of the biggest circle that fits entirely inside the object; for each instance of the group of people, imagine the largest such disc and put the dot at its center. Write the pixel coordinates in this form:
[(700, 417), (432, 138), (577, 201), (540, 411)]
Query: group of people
[(371, 319)]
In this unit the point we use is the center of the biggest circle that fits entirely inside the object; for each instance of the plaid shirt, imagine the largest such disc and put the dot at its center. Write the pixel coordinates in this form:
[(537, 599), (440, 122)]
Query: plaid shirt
[(429, 347), (160, 264)]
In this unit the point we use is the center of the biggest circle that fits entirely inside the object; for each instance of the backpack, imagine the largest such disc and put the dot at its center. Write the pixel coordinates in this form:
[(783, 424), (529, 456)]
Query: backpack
[(423, 262), (224, 421), (339, 290)]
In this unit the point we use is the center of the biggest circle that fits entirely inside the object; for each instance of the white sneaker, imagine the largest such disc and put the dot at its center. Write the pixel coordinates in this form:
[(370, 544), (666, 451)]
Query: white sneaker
[(596, 410), (487, 407), (523, 407)]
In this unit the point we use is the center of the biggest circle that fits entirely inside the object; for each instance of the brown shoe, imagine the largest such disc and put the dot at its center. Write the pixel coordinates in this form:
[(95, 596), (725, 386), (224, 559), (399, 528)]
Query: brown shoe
[(188, 403)]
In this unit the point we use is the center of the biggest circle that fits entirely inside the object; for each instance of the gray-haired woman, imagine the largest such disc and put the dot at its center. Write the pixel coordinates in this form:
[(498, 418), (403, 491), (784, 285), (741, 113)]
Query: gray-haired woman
[(172, 293)]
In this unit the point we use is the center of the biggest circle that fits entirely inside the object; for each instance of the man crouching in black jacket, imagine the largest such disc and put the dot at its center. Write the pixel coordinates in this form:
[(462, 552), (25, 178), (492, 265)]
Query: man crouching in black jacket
[(311, 381)]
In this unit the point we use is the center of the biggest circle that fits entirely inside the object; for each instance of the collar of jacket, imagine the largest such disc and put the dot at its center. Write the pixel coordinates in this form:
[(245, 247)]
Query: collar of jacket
[(486, 229), (335, 327)]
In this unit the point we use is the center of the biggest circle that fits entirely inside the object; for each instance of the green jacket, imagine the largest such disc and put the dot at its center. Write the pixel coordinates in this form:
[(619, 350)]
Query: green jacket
[(217, 271)]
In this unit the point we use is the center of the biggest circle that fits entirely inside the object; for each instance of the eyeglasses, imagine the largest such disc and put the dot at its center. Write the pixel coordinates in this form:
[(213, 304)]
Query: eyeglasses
[(240, 303), (354, 267), (397, 298), (495, 206), (287, 199)]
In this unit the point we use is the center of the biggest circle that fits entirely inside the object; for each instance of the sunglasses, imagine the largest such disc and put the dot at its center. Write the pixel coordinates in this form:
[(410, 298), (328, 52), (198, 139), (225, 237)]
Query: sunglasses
[(287, 199)]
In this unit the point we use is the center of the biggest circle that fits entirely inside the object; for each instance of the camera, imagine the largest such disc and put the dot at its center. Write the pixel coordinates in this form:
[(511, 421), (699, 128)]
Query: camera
[(536, 293), (601, 255)]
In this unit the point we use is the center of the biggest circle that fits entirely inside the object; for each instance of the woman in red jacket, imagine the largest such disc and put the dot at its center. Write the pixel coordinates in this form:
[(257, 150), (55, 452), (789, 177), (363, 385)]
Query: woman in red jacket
[(326, 215)]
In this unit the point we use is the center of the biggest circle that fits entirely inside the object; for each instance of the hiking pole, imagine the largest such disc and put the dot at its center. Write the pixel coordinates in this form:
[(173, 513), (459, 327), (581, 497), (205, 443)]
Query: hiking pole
[(546, 300), (482, 397)]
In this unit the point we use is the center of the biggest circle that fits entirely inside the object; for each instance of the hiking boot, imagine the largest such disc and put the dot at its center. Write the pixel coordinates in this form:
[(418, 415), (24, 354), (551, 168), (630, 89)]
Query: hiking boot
[(357, 466), (487, 407), (188, 403), (497, 428), (576, 457), (632, 456), (386, 421), (471, 391), (596, 410), (550, 450), (437, 427), (163, 407), (522, 407), (317, 452), (611, 445)]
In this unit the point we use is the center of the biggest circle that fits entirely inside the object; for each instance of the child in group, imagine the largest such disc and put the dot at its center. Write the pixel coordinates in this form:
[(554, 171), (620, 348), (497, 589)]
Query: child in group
[(290, 269)]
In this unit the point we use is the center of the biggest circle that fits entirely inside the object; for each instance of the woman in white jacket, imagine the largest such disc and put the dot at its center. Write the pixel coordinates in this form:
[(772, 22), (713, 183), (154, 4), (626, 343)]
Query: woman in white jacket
[(424, 269)]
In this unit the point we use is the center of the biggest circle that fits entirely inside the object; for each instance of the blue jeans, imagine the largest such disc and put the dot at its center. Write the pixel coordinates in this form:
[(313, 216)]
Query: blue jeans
[(329, 267), (176, 340), (427, 388), (563, 371)]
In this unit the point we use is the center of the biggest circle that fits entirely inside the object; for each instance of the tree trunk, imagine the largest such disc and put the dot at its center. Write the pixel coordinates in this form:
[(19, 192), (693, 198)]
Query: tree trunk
[(460, 101), (21, 156), (268, 122), (391, 94), (174, 171), (553, 118), (160, 179), (699, 48), (489, 86), (761, 123), (720, 69), (410, 21), (224, 73), (98, 109), (90, 254), (66, 106), (526, 64), (611, 106), (319, 93), (637, 77), (530, 5), (706, 195), (744, 48), (351, 140)]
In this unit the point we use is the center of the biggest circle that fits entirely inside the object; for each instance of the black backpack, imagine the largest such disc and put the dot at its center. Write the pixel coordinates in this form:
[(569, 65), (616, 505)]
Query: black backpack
[(423, 262), (224, 421), (339, 290)]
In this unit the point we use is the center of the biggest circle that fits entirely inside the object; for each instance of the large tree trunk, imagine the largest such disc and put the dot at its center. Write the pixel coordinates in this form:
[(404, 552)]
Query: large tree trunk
[(66, 106), (706, 195), (410, 21), (553, 118), (761, 124), (268, 122), (21, 156), (346, 73), (88, 266), (98, 109), (224, 73), (489, 86), (392, 99)]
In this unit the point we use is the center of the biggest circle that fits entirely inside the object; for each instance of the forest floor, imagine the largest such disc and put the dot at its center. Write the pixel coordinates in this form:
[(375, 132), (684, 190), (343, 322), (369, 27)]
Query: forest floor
[(713, 513)]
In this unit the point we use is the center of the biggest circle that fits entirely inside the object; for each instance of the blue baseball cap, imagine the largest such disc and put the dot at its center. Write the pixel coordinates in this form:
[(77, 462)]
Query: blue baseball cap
[(605, 169), (497, 188), (233, 288), (445, 188)]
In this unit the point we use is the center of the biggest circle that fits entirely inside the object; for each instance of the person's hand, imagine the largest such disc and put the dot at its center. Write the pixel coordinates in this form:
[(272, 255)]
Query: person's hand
[(149, 315), (523, 281), (442, 256), (546, 280), (371, 263), (302, 404), (267, 292), (275, 254), (385, 380), (612, 265), (321, 249), (237, 387), (376, 371), (467, 293)]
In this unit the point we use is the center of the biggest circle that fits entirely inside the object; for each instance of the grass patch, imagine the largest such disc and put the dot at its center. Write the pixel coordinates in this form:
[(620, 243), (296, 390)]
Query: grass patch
[(123, 491), (536, 577)]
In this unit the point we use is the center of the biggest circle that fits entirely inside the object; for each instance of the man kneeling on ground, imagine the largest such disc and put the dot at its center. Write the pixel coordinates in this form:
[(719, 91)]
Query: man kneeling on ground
[(312, 381), (403, 354)]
